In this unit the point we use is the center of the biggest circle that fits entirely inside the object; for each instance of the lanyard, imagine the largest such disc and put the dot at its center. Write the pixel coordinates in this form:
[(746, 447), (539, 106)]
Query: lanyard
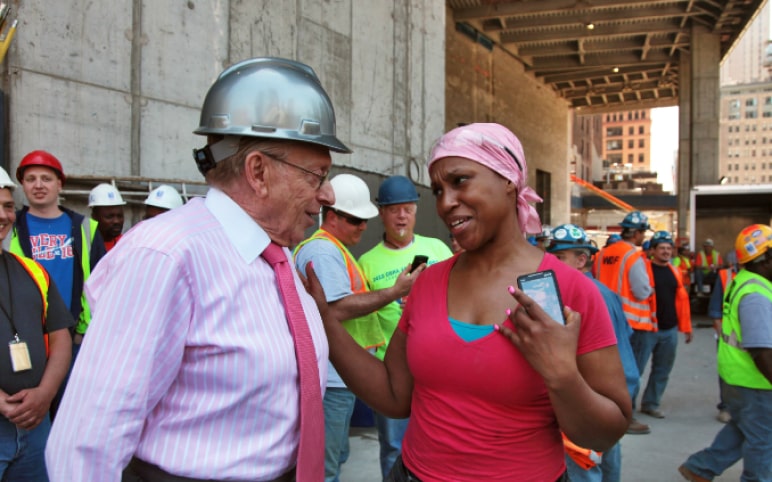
[(8, 314)]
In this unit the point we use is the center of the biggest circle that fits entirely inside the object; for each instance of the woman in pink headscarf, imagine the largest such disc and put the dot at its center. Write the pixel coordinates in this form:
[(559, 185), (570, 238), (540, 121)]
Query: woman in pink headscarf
[(488, 379)]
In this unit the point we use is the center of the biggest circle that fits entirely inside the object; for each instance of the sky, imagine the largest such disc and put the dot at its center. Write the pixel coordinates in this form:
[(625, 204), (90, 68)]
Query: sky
[(664, 144)]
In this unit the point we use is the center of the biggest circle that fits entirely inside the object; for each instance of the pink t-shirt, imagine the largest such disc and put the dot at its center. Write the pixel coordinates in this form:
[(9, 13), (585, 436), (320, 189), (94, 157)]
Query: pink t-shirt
[(479, 411)]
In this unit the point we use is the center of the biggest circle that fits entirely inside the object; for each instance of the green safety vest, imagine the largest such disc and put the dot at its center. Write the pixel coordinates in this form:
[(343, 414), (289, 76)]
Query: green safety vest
[(735, 364), (365, 330), (88, 230)]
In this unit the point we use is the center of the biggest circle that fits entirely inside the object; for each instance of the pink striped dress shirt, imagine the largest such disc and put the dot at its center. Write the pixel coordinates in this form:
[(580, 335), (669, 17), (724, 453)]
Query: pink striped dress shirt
[(188, 362)]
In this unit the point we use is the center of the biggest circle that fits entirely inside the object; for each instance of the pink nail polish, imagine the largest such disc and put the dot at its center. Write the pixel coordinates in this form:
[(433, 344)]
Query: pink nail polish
[(496, 328), (511, 290), (509, 312)]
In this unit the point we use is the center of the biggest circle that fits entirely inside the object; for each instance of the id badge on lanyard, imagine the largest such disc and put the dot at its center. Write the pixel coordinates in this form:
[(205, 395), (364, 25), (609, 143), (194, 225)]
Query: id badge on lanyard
[(20, 359)]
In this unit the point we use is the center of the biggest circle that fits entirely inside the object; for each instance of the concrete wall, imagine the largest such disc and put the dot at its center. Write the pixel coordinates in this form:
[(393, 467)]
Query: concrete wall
[(114, 87), (492, 86)]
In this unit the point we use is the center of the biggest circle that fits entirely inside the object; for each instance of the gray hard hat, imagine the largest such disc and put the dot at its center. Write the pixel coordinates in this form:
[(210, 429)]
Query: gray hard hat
[(272, 98)]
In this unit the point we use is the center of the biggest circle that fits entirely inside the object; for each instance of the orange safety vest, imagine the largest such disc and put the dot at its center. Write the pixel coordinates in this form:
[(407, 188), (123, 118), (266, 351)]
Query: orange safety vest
[(726, 276), (584, 458), (40, 276), (612, 269), (683, 307), (364, 329), (685, 267), (702, 260)]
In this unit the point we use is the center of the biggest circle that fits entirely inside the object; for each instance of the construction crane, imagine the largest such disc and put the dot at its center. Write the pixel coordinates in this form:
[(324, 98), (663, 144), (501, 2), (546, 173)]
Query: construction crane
[(600, 192)]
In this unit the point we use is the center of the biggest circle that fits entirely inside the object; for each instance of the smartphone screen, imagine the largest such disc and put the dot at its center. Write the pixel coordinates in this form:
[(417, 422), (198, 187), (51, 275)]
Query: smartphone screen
[(542, 287), (418, 260)]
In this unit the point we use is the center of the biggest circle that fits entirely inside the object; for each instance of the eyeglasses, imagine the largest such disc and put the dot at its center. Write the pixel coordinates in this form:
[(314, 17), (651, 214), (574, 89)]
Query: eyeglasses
[(320, 177), (354, 221)]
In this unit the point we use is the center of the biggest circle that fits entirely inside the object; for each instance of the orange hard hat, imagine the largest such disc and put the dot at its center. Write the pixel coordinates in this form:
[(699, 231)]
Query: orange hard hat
[(752, 242), (40, 158)]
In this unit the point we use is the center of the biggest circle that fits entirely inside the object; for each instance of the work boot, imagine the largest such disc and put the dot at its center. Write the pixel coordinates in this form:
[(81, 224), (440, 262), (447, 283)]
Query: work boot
[(637, 428), (653, 412), (691, 476), (724, 416)]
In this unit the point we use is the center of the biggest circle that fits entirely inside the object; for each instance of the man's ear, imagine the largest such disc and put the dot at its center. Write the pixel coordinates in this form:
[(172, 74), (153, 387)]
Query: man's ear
[(511, 187), (255, 172)]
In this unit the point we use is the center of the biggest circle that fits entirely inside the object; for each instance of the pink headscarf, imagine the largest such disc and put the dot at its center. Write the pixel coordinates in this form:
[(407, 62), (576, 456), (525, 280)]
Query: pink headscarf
[(495, 147)]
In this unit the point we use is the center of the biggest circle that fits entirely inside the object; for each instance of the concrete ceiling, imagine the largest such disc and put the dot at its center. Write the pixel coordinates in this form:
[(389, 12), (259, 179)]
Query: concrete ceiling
[(603, 55)]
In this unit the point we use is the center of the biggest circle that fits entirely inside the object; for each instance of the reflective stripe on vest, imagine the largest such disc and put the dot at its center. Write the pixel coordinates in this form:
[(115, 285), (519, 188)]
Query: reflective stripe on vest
[(366, 329), (735, 364), (42, 281)]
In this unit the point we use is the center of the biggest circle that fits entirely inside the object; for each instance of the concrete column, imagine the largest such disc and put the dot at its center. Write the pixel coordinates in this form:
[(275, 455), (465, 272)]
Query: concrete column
[(684, 168), (705, 103)]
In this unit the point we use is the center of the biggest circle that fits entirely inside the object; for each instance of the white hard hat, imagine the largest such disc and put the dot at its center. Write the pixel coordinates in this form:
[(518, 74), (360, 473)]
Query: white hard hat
[(105, 195), (5, 180), (352, 196), (165, 197)]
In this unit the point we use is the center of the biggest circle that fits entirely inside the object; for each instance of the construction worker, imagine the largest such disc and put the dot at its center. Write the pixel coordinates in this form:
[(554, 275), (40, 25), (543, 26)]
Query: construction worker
[(39, 353), (570, 244), (349, 299), (161, 199), (745, 366), (716, 313), (683, 262), (673, 315), (623, 269), (706, 265), (67, 244), (397, 205), (106, 205)]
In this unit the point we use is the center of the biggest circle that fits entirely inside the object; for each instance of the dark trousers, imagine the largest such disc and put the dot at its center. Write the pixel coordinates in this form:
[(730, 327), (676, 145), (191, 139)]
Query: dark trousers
[(141, 471), (400, 473)]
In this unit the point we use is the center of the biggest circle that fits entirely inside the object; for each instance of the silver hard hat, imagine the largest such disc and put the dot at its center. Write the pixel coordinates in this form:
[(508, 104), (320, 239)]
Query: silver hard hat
[(272, 98)]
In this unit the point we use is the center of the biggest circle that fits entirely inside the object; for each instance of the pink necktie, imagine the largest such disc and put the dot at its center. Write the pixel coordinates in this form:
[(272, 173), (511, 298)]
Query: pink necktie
[(310, 465)]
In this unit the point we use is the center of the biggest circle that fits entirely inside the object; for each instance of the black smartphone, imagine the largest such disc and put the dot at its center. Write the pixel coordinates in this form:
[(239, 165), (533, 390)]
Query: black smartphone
[(418, 260), (542, 287)]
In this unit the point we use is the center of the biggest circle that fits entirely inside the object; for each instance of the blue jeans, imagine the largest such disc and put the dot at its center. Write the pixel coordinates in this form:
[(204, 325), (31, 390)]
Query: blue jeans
[(747, 436), (390, 434), (578, 474), (22, 452), (338, 406), (661, 347), (611, 463), (609, 470)]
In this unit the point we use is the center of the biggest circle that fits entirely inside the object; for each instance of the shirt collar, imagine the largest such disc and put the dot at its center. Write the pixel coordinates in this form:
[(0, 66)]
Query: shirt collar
[(249, 239)]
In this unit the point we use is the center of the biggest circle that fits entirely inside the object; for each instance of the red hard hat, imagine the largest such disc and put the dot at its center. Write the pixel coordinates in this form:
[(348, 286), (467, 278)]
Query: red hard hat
[(40, 158)]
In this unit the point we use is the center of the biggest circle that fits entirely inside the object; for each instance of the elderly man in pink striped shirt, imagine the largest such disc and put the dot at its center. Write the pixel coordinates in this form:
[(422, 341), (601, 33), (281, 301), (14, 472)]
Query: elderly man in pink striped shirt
[(190, 371)]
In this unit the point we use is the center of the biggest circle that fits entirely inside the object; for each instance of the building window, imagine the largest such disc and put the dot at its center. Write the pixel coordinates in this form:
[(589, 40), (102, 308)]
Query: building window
[(629, 116), (641, 143), (631, 130), (640, 158), (630, 144), (640, 130), (643, 114), (730, 167), (750, 102), (614, 131), (735, 179), (630, 158), (736, 167), (751, 114), (615, 145)]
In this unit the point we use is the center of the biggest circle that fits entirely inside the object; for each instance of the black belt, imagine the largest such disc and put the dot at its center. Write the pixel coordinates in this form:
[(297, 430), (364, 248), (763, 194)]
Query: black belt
[(141, 471)]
